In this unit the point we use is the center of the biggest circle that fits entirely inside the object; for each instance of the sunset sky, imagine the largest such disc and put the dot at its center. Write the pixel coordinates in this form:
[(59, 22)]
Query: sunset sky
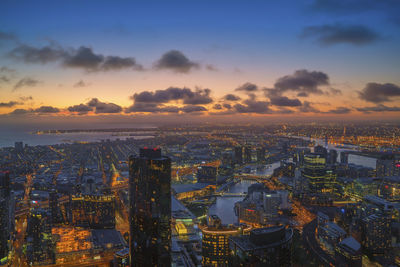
[(199, 59)]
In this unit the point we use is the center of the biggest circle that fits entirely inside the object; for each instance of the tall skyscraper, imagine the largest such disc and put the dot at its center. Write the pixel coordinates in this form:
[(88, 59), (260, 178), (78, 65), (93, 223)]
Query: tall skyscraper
[(238, 155), (5, 213), (150, 208), (247, 154), (386, 165), (261, 155), (320, 179)]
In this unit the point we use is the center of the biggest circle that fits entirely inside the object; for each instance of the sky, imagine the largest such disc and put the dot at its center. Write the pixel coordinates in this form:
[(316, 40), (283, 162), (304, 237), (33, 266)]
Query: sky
[(199, 60)]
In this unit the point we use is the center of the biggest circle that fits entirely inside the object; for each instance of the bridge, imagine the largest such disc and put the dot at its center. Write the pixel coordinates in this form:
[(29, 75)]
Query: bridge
[(228, 194)]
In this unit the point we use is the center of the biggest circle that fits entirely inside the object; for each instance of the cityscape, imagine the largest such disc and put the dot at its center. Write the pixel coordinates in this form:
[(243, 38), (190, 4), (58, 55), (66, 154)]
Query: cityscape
[(199, 133)]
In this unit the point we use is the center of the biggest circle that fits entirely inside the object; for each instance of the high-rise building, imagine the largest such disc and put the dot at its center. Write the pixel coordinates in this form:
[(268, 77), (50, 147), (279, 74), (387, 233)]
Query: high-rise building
[(207, 174), (19, 147), (387, 165), (270, 246), (247, 154), (348, 253), (5, 214), (54, 209), (320, 179), (376, 233), (332, 157), (321, 150), (260, 155), (344, 157), (215, 246), (238, 157), (150, 208), (121, 258), (94, 211)]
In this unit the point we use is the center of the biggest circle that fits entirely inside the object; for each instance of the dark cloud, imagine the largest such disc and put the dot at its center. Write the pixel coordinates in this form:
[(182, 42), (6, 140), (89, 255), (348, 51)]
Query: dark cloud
[(378, 92), (253, 106), (197, 97), (284, 101), (307, 107), (80, 109), (176, 61), (227, 106), (6, 74), (83, 58), (339, 110), (151, 107), (26, 82), (81, 83), (46, 109), (231, 97), (217, 106), (379, 108), (102, 107), (327, 35), (20, 111), (303, 82), (247, 87), (9, 104), (193, 108)]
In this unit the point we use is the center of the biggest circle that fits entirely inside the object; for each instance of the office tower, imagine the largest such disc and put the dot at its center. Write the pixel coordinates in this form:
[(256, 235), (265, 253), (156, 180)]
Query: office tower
[(39, 239), (247, 154), (376, 233), (332, 157), (207, 174), (215, 246), (386, 165), (19, 147), (121, 258), (150, 208), (270, 246), (260, 155), (344, 157), (94, 211), (226, 159), (238, 155), (5, 212), (321, 150), (348, 253), (320, 179), (53, 204)]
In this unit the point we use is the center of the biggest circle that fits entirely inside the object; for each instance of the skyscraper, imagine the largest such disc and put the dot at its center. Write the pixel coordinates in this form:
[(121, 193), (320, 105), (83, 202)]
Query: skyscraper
[(247, 154), (261, 155), (4, 214), (238, 155), (150, 208), (320, 179)]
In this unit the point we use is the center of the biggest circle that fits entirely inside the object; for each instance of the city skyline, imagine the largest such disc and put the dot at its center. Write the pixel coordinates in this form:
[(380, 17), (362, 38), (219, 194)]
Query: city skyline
[(158, 62)]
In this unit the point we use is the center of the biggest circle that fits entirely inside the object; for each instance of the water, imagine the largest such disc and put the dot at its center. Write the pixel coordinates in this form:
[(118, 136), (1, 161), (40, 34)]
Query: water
[(223, 206)]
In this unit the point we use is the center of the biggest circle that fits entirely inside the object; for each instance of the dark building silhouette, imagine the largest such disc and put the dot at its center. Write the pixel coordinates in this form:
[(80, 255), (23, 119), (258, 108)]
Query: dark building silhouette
[(207, 174), (4, 214), (238, 158), (247, 154), (260, 155), (150, 208), (344, 157), (270, 246)]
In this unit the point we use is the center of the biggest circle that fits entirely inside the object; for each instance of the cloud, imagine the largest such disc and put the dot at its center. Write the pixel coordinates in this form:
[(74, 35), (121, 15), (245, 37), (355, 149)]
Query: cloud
[(80, 109), (193, 108), (20, 111), (217, 106), (339, 110), (151, 107), (253, 106), (307, 107), (378, 92), (6, 74), (303, 82), (227, 106), (378, 108), (176, 61), (247, 87), (9, 104), (335, 91), (26, 98), (46, 109), (26, 82), (327, 35), (83, 58), (231, 97), (81, 83), (284, 101), (197, 97), (102, 107)]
